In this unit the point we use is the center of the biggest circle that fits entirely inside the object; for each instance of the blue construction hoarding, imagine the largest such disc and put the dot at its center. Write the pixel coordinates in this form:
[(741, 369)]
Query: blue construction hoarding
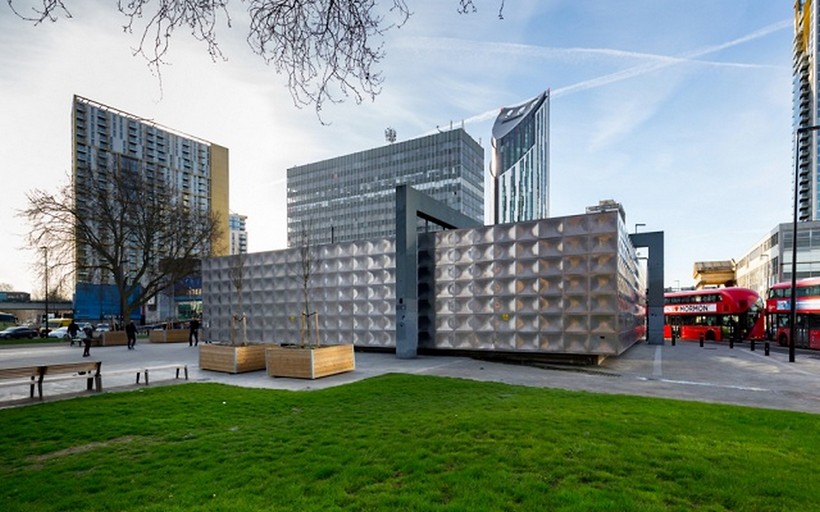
[(99, 302)]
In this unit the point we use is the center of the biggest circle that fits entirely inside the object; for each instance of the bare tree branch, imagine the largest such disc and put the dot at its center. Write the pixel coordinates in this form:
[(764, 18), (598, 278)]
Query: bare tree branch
[(329, 50), (468, 6), (51, 10), (201, 17)]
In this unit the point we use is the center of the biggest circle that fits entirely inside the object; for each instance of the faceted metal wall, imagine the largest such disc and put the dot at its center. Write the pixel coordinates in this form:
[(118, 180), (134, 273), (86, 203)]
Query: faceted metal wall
[(352, 289), (563, 285)]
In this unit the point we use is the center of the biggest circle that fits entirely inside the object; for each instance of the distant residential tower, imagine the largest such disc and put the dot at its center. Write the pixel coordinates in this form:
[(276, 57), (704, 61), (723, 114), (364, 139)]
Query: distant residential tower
[(239, 236), (107, 141), (804, 108)]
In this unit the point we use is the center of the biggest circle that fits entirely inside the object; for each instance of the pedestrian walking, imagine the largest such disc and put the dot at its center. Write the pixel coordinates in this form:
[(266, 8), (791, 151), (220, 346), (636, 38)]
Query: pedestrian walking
[(131, 334), (193, 332), (89, 335), (73, 330)]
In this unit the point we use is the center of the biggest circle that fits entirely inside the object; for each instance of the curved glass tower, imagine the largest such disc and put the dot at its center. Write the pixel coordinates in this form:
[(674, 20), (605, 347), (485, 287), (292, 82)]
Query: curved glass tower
[(520, 162)]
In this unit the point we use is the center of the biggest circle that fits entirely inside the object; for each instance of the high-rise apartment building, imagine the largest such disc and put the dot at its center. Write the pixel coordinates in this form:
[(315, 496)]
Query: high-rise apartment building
[(110, 140), (804, 108), (239, 235), (520, 161), (352, 197)]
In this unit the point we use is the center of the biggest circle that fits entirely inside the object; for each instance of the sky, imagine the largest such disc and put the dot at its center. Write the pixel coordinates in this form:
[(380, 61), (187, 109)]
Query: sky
[(680, 111)]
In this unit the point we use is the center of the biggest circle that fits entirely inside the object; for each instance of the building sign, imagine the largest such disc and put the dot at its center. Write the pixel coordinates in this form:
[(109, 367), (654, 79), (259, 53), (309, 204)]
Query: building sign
[(690, 308)]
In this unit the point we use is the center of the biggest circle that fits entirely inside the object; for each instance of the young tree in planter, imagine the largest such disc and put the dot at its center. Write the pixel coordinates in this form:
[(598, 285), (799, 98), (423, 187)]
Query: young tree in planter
[(308, 265), (238, 319), (126, 230)]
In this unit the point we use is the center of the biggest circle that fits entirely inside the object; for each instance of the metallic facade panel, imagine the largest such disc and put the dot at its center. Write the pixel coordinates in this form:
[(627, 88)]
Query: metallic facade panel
[(557, 290)]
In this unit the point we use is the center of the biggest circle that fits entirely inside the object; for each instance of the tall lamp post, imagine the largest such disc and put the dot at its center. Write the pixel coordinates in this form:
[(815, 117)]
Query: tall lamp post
[(793, 301), (45, 258)]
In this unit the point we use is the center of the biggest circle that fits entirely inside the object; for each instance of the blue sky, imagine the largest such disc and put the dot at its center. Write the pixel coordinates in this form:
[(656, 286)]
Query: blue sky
[(681, 111)]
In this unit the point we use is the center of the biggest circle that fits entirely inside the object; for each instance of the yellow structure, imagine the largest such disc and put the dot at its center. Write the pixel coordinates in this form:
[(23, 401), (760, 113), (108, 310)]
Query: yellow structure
[(220, 199), (714, 273)]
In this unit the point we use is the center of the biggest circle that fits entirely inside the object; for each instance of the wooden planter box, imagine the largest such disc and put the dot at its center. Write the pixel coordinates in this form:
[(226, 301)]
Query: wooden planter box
[(168, 336), (232, 359), (110, 338), (309, 362)]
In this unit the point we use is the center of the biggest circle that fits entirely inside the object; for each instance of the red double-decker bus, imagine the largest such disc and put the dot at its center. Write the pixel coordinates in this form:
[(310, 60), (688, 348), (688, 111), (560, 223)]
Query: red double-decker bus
[(807, 307), (713, 313)]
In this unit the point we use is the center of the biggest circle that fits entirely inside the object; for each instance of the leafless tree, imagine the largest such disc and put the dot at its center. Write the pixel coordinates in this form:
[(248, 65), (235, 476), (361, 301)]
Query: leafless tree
[(124, 230), (328, 49), (308, 264)]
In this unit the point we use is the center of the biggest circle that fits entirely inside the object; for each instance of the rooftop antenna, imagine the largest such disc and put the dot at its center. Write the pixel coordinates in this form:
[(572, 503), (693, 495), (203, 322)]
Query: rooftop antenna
[(390, 135)]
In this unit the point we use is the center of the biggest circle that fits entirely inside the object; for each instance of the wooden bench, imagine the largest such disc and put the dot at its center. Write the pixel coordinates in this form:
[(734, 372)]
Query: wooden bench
[(37, 375), (89, 370), (20, 375), (177, 367)]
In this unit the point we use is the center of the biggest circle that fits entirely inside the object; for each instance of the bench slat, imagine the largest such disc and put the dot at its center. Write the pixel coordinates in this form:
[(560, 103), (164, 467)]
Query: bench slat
[(19, 372), (84, 366)]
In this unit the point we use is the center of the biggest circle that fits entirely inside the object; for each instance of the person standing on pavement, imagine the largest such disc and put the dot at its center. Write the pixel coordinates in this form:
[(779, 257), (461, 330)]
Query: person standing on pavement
[(193, 332), (131, 334)]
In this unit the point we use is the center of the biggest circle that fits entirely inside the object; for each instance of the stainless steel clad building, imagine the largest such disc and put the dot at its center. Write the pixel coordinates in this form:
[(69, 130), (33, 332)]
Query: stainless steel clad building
[(564, 285)]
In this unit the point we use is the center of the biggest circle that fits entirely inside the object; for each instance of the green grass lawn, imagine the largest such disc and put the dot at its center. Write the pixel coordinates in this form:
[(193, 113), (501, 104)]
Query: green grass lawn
[(402, 442)]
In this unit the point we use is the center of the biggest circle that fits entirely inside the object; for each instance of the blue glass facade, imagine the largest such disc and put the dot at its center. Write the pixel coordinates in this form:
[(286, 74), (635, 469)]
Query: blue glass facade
[(520, 162)]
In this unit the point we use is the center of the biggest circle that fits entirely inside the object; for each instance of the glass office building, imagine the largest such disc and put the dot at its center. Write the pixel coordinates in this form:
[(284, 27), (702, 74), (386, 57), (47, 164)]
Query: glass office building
[(770, 260), (352, 197), (520, 162)]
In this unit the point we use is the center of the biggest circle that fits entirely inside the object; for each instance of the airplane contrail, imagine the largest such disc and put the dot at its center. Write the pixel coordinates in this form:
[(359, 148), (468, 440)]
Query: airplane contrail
[(643, 69)]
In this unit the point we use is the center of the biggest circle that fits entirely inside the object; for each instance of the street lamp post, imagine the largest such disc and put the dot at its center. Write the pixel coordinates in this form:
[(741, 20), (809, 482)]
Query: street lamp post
[(793, 301), (45, 258), (638, 225)]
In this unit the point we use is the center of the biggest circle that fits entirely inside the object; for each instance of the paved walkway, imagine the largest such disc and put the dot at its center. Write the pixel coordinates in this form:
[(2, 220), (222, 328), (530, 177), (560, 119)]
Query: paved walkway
[(714, 373)]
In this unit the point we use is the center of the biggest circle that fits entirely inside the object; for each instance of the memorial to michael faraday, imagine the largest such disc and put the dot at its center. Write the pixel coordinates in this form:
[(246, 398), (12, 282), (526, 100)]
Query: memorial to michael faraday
[(564, 286)]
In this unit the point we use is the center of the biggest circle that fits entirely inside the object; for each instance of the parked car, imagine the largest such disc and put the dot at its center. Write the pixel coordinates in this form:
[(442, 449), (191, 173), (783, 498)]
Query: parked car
[(18, 332), (60, 333), (53, 323), (102, 328)]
